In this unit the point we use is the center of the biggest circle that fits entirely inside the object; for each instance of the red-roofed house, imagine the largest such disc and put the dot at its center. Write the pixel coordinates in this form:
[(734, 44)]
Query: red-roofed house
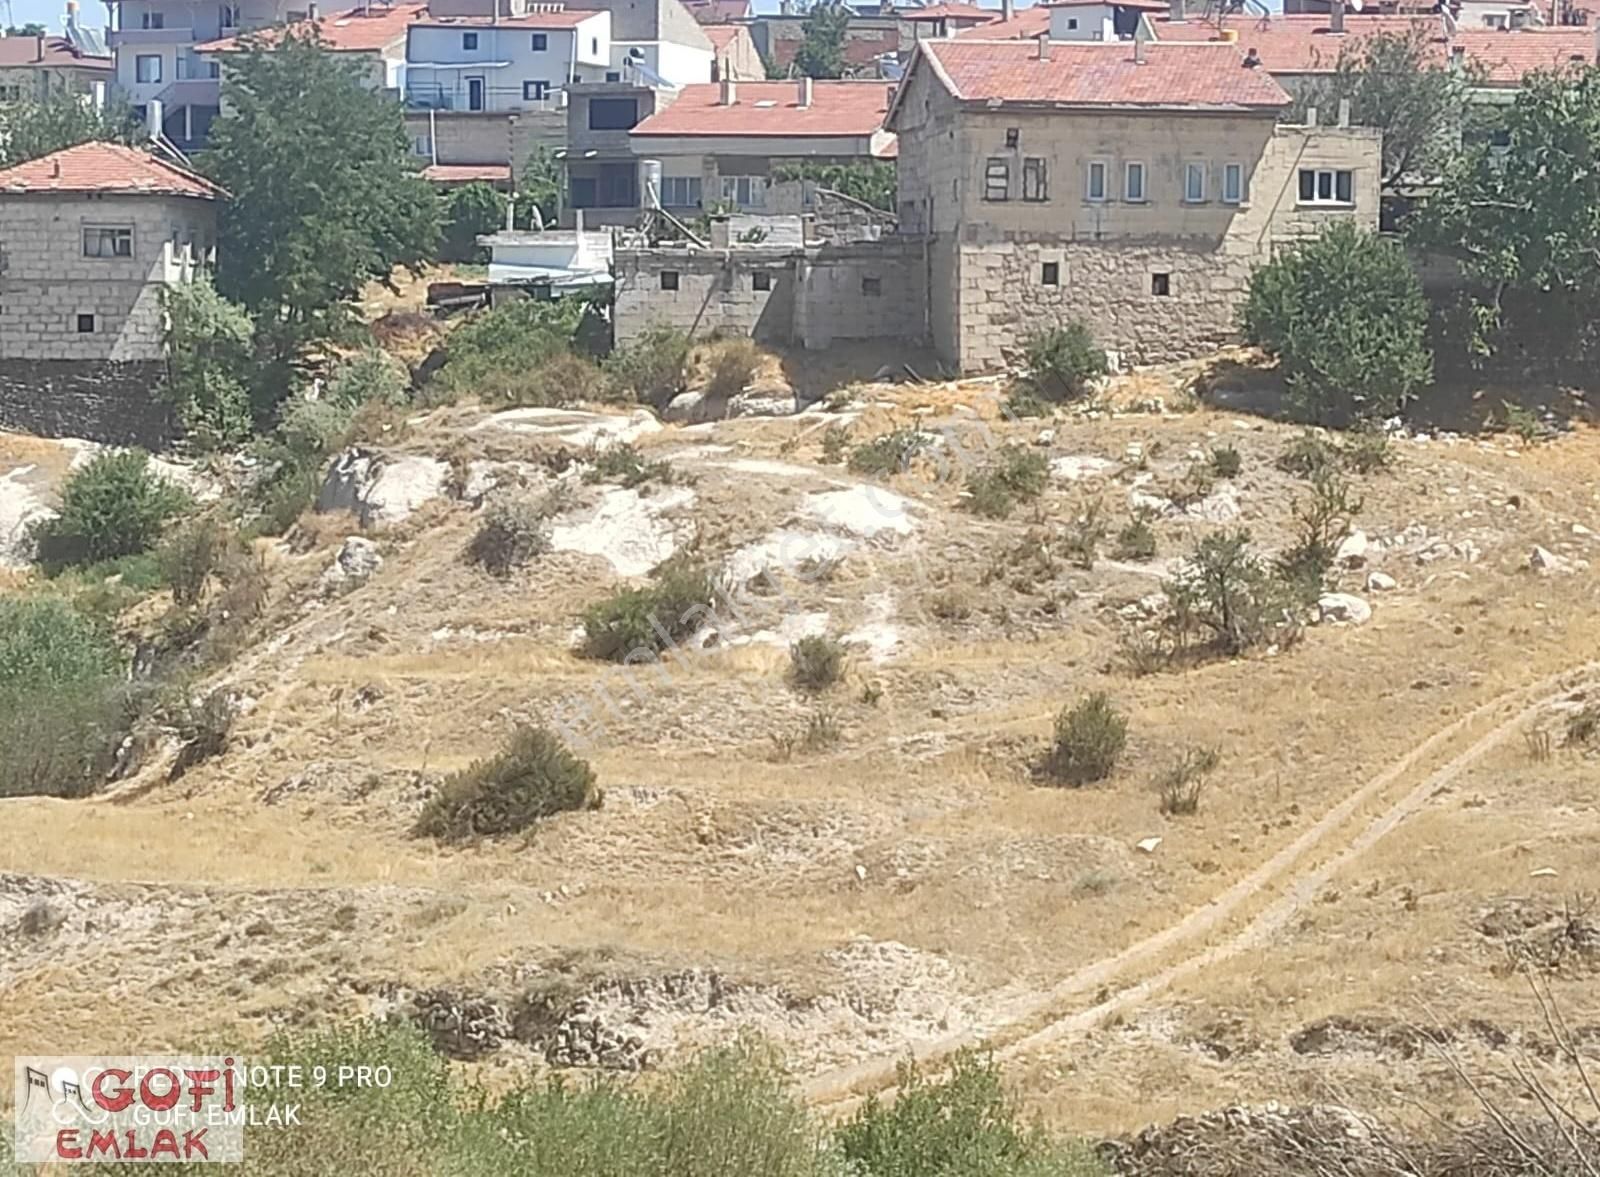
[(721, 144), (90, 237), (946, 20), (719, 12), (1506, 58), (1132, 184), (33, 68)]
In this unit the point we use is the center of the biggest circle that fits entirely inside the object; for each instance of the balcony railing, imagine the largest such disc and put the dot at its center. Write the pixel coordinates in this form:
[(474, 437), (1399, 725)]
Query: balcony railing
[(131, 38), (491, 99)]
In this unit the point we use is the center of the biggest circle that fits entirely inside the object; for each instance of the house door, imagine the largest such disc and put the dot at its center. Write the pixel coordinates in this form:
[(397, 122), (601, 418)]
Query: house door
[(474, 93)]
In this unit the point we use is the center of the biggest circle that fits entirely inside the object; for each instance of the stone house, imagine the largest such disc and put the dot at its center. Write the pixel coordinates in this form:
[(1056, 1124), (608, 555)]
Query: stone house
[(1132, 185), (89, 237), (34, 68)]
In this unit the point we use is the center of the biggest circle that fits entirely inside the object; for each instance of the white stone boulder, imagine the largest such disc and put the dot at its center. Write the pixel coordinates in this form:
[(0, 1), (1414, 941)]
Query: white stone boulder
[(1352, 550), (1343, 607), (357, 559), (381, 488), (1381, 582)]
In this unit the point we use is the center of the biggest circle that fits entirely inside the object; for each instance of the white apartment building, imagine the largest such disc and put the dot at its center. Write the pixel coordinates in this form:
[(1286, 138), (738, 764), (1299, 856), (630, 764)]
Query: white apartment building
[(497, 64)]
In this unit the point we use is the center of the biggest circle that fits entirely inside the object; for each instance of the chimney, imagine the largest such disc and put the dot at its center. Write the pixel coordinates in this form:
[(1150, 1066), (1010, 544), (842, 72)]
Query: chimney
[(1336, 16), (1008, 9), (55, 169), (39, 50), (1176, 12), (311, 10), (730, 92), (1044, 46), (804, 97), (1138, 49)]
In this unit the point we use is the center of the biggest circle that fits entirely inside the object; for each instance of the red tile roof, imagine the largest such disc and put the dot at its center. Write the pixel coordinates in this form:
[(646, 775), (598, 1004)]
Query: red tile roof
[(1087, 73), (468, 173), (721, 36), (1302, 44), (950, 12), (1508, 57), (718, 12), (562, 19), (1027, 23), (105, 167), (352, 31), (17, 52), (864, 43), (772, 108)]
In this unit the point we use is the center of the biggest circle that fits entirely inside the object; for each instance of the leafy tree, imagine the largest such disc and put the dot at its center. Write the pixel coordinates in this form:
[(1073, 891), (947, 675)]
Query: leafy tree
[(32, 29), (325, 197), (1345, 316), (1398, 83), (539, 187), (29, 130), (209, 344), (469, 212), (1522, 222), (870, 182), (115, 506), (1062, 360), (821, 52)]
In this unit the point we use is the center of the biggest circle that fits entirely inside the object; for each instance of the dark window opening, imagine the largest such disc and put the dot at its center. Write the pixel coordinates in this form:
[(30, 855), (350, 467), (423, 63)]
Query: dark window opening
[(85, 324), (1050, 274), (872, 287), (1161, 285), (761, 280), (669, 279), (541, 42), (1012, 134), (613, 114), (469, 40)]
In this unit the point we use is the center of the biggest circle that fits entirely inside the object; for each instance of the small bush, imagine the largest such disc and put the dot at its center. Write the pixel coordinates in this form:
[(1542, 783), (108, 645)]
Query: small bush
[(115, 506), (1227, 597), (1308, 454), (821, 732), (1014, 474), (1020, 404), (496, 347), (372, 377), (1367, 451), (191, 555), (1137, 539), (835, 442), (1522, 421), (733, 364), (625, 465), (315, 428), (888, 453), (1226, 461), (533, 777), (564, 378), (649, 620), (514, 529), (205, 727), (1584, 724), (951, 604), (652, 368), (1081, 543), (1061, 361), (1180, 784), (1196, 483), (816, 663), (469, 212), (1323, 520), (1089, 739)]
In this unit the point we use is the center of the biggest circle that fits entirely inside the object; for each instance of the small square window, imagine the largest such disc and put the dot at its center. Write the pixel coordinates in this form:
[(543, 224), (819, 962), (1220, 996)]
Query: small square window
[(469, 40), (1072, 23), (1012, 136), (1050, 274), (1161, 284), (85, 324), (761, 280), (872, 287), (613, 75), (541, 42), (535, 91), (669, 279)]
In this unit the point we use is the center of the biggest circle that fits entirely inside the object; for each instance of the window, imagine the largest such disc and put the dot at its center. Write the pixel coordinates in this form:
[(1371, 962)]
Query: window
[(147, 68), (669, 279), (594, 45), (1094, 188), (997, 180), (469, 40), (1072, 23), (228, 17), (98, 242), (10, 93), (422, 145), (541, 42), (535, 91), (613, 75), (1194, 183), (1318, 186), (613, 114), (761, 280), (1012, 136), (872, 287), (153, 20), (85, 324), (745, 191), (1161, 284), (1132, 183), (680, 191), (1233, 183), (1050, 274), (1035, 180)]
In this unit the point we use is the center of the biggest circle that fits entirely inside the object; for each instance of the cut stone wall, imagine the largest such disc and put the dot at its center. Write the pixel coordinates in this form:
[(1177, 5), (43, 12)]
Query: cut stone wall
[(102, 401)]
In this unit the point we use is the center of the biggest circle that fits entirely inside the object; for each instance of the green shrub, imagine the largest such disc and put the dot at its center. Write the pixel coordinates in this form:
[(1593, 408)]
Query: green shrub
[(1081, 542), (816, 662), (190, 556), (564, 378), (533, 777), (653, 367), (470, 211), (1137, 539), (734, 363), (315, 428), (1323, 519), (1061, 361), (1180, 784), (835, 441), (1308, 454), (371, 377), (514, 529), (205, 725), (1345, 317), (1021, 404), (494, 348), (114, 506), (623, 464), (1013, 474), (1226, 461), (649, 620), (1367, 450), (1224, 595), (1089, 739), (210, 365), (888, 453), (62, 698)]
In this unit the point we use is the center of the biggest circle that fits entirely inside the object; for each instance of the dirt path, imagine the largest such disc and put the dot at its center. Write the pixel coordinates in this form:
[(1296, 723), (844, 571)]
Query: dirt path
[(1040, 1020)]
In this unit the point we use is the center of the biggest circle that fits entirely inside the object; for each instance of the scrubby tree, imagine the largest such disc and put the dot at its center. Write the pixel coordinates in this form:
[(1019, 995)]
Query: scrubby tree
[(1345, 317), (29, 130), (821, 52), (539, 187), (324, 194), (209, 345), (470, 212), (870, 182)]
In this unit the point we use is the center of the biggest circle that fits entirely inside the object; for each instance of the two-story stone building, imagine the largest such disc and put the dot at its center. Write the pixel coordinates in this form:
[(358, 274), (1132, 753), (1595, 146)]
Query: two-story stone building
[(1132, 185), (89, 237)]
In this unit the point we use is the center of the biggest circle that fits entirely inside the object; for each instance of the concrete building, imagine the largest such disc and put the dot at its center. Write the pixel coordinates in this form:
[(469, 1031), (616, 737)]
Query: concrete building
[(501, 64), (89, 237), (35, 68), (734, 54), (374, 37), (723, 144), (544, 264), (1129, 184)]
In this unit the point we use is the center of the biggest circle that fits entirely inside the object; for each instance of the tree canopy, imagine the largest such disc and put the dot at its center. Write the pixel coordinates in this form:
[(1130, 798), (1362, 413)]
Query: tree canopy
[(29, 130), (325, 196), (821, 52)]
